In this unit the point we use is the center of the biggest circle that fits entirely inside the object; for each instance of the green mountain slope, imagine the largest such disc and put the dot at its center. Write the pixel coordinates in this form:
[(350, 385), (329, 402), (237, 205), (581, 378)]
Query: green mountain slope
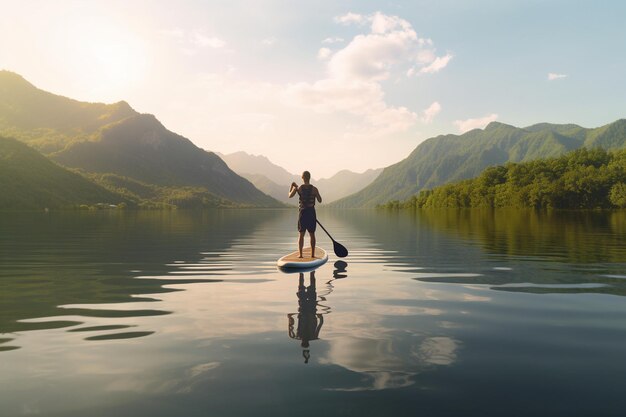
[(154, 196), (48, 122), (140, 147), (30, 181), (450, 158), (610, 136), (581, 179), (101, 138)]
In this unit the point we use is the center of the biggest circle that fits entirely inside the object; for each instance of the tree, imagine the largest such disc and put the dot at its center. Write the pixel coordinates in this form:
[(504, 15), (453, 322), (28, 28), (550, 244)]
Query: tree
[(617, 195)]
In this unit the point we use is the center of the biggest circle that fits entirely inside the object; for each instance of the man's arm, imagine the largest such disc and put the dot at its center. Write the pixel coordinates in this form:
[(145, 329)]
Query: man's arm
[(293, 190), (317, 195)]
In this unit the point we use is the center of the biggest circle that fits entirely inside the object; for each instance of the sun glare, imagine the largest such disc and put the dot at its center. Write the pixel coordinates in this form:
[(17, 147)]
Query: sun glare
[(120, 63), (108, 59)]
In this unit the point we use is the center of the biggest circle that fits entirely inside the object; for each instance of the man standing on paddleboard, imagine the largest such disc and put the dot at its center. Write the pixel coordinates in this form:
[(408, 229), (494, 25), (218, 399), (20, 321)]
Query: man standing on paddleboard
[(307, 219)]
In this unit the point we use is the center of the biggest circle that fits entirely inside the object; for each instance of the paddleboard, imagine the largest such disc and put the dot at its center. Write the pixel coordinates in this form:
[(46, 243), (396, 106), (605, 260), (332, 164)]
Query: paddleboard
[(306, 262)]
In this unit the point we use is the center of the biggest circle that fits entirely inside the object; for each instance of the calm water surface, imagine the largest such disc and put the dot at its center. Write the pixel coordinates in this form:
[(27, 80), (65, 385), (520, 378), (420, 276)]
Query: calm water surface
[(449, 313)]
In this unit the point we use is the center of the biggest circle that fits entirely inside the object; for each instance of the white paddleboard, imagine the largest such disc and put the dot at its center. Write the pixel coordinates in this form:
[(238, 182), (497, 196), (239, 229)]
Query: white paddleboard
[(293, 261)]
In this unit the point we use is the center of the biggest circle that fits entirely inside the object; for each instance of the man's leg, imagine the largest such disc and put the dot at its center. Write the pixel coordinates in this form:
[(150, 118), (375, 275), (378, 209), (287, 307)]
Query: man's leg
[(301, 242), (312, 235)]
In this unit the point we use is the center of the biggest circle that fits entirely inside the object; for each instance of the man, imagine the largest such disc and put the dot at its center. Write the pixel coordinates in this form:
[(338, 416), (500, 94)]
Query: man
[(310, 322), (307, 220)]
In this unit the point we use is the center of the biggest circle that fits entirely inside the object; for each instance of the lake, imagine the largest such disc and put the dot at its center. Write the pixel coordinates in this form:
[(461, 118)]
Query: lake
[(434, 313)]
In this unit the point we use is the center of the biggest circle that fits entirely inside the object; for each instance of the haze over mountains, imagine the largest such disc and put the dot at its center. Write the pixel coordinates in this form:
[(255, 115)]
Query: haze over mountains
[(245, 163), (449, 158), (125, 156), (275, 180), (116, 140)]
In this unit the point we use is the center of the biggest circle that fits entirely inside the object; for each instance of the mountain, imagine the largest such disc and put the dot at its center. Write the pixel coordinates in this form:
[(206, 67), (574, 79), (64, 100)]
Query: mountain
[(140, 147), (49, 122), (114, 138), (275, 180), (344, 183), (581, 179), (268, 177), (152, 196), (339, 185), (244, 163), (269, 187), (28, 180), (449, 158)]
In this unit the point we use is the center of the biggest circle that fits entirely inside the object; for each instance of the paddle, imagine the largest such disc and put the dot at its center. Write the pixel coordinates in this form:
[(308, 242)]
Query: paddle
[(340, 250)]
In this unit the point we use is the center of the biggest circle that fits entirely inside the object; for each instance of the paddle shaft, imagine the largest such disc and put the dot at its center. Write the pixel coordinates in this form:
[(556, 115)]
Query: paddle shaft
[(318, 222), (339, 249)]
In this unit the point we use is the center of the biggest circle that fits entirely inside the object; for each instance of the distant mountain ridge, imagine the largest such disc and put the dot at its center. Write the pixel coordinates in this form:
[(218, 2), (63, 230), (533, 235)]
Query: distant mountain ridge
[(115, 139), (346, 182), (28, 180), (242, 162), (49, 122), (121, 149), (274, 180), (449, 158)]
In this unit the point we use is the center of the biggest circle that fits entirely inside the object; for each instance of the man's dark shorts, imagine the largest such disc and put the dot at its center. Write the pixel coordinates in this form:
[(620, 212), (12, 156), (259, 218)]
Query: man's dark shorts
[(307, 220)]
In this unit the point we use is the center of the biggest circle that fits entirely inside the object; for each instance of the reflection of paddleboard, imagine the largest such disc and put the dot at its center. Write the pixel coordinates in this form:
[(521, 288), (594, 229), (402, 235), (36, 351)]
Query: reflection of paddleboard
[(306, 262)]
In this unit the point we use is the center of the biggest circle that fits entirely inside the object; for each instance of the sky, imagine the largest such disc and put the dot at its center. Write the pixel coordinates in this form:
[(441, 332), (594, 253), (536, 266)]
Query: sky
[(327, 85)]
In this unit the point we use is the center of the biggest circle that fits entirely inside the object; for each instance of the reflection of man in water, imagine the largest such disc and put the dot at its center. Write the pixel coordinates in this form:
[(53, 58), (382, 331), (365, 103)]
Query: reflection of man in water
[(309, 321), (307, 220)]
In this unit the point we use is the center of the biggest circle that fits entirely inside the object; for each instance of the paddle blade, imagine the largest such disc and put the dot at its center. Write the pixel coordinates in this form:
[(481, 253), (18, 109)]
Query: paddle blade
[(340, 250)]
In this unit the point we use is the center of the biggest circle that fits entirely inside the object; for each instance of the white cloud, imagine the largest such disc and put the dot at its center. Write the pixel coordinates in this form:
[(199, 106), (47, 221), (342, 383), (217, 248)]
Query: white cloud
[(241, 111), (388, 120), (391, 40), (351, 95), (199, 39), (426, 56), (355, 72), (324, 53), (553, 76), (350, 18), (192, 41), (269, 41), (360, 98), (370, 57), (382, 23), (333, 40), (429, 114), (478, 123), (425, 42), (436, 65), (331, 95)]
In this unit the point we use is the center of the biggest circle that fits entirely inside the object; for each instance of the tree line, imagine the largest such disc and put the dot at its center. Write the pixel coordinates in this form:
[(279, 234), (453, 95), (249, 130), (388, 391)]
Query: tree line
[(582, 179)]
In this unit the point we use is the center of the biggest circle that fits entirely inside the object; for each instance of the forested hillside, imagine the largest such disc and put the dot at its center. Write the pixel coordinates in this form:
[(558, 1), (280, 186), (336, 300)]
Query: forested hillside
[(114, 139), (582, 179), (450, 158), (30, 181), (48, 122)]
